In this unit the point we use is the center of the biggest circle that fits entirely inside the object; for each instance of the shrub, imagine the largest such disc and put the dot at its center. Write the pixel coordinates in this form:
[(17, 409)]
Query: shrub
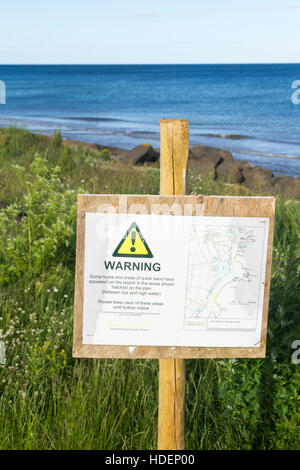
[(46, 231)]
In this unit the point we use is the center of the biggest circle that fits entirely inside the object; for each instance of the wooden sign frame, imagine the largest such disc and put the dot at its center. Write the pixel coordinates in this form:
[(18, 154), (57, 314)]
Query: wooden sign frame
[(218, 206)]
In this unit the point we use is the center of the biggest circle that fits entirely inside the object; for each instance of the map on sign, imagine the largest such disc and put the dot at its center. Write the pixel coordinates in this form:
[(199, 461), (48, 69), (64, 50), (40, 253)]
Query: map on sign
[(164, 280), (224, 277)]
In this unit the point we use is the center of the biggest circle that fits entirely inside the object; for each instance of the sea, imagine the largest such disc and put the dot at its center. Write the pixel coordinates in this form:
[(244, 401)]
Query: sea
[(251, 110)]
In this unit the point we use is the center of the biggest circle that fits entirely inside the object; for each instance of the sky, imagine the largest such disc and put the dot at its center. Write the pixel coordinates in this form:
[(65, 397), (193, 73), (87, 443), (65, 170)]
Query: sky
[(149, 31)]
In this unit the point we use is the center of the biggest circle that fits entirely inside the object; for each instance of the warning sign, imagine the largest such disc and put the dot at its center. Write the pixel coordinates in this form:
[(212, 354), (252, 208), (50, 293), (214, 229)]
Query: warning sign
[(133, 244), (214, 281), (195, 284)]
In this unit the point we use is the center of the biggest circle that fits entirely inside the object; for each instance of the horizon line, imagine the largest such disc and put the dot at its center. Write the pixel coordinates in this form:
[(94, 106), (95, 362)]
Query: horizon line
[(151, 63)]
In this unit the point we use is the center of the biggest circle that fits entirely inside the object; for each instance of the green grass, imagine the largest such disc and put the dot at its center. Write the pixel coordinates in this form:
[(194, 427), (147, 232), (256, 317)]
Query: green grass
[(49, 400)]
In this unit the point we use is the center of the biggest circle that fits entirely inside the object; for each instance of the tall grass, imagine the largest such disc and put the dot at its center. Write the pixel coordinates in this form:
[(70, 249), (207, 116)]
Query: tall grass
[(49, 400)]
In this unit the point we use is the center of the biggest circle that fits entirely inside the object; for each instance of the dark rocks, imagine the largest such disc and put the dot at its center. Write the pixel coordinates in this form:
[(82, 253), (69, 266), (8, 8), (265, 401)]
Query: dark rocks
[(139, 155), (243, 165), (292, 190), (226, 156), (219, 164), (296, 188), (258, 179), (206, 159), (216, 162), (199, 152), (288, 186), (205, 166), (229, 172), (282, 183)]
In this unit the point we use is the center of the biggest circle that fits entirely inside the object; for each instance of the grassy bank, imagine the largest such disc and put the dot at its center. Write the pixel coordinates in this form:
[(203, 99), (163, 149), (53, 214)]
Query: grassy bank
[(48, 400)]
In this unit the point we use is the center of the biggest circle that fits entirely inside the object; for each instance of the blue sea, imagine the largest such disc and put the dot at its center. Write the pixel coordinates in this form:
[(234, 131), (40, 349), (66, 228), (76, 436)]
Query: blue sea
[(120, 105)]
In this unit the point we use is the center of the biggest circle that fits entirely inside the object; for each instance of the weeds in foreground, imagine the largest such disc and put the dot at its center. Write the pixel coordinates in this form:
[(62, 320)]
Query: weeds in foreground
[(48, 400)]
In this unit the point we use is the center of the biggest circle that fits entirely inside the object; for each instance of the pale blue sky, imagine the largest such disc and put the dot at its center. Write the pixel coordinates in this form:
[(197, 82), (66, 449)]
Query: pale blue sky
[(152, 31)]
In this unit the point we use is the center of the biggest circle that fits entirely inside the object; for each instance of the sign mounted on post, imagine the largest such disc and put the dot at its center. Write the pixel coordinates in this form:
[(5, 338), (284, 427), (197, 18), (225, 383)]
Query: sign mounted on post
[(172, 276)]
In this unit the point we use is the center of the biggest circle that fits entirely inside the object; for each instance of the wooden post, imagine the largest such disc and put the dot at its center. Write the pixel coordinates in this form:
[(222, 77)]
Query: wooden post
[(174, 150)]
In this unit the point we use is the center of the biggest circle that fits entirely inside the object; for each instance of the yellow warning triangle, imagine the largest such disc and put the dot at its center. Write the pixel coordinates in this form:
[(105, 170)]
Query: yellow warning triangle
[(133, 244)]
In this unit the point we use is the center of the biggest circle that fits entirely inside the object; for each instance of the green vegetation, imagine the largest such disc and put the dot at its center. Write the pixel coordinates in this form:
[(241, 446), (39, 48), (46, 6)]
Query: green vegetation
[(48, 400)]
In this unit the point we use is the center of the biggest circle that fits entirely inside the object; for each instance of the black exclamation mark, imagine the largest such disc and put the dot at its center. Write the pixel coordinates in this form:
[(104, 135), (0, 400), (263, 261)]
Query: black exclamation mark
[(133, 238)]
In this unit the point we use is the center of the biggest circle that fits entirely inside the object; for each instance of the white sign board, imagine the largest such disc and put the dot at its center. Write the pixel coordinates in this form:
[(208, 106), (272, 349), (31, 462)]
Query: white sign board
[(161, 280)]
